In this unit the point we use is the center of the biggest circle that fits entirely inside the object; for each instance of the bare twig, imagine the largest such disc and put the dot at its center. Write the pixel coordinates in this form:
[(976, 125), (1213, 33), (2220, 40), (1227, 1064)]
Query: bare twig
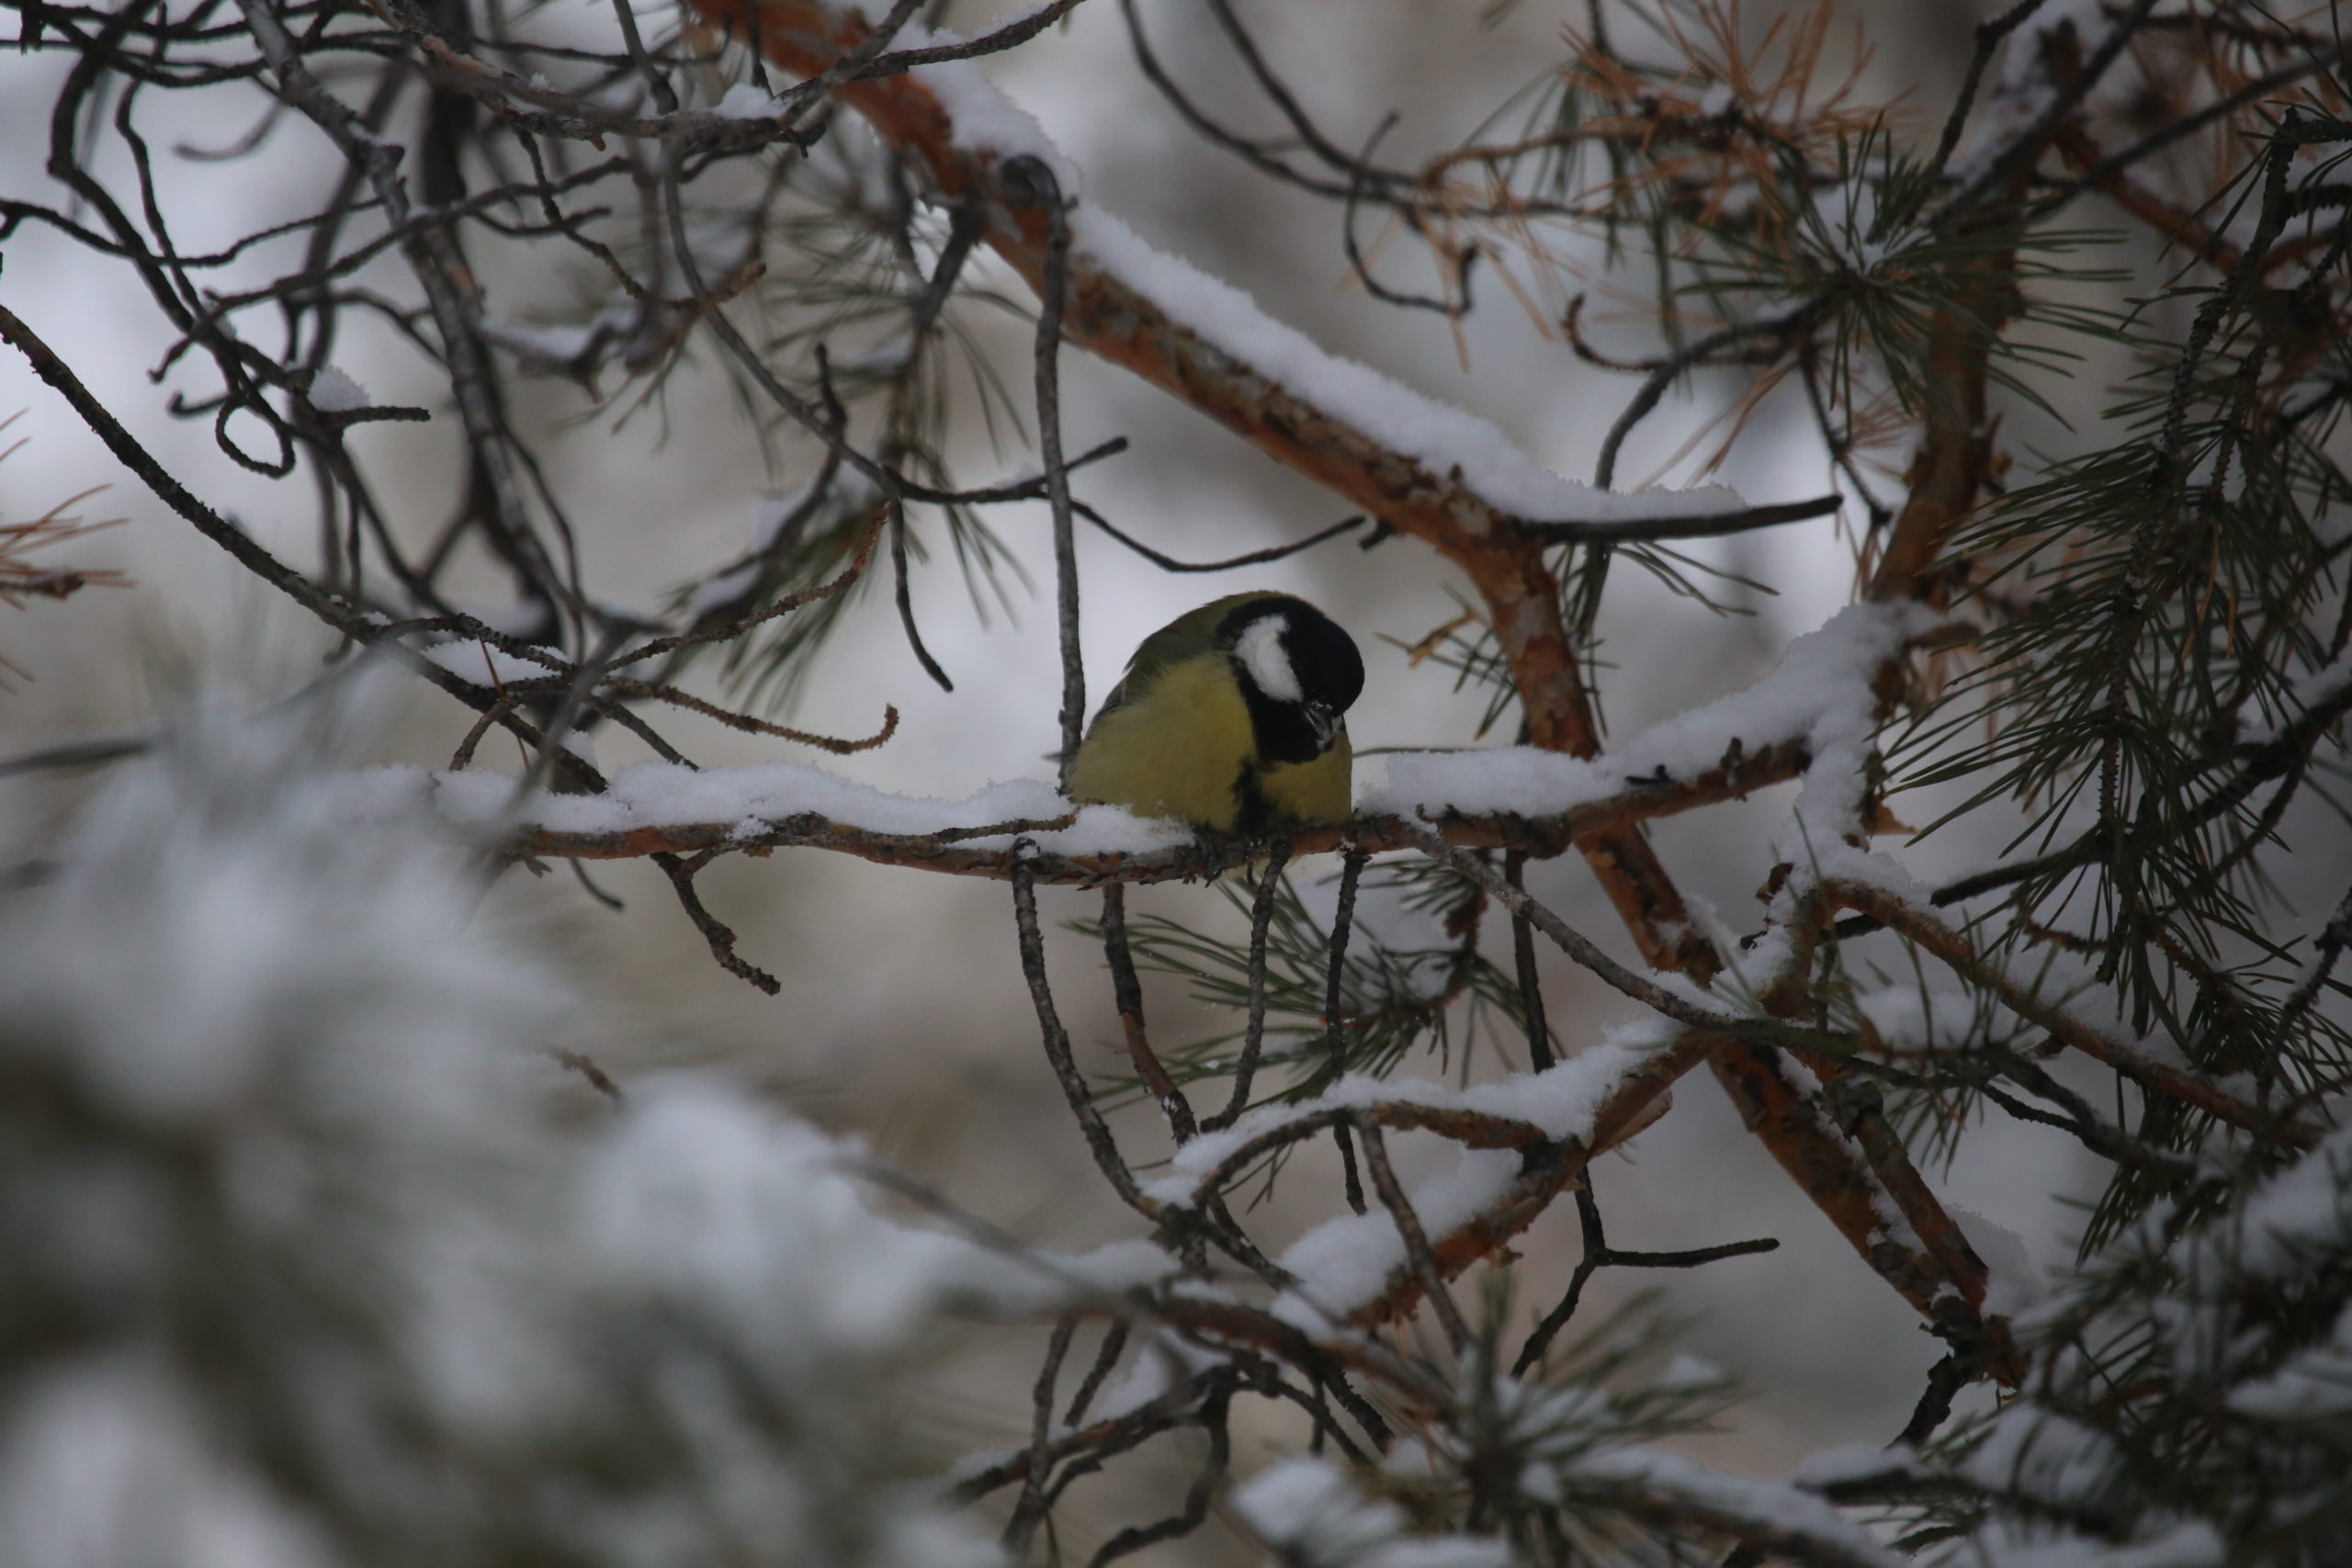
[(1408, 1226), (1058, 1051), (1031, 1508), (1262, 915), (1335, 1042), (1126, 990), (1028, 182)]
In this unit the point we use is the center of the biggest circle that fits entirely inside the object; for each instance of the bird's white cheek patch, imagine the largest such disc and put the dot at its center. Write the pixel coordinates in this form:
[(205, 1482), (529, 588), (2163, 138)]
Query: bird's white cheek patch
[(1262, 653)]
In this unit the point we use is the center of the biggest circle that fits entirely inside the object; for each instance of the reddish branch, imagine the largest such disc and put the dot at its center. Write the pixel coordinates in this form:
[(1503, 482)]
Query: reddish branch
[(1115, 322), (1838, 1147), (1506, 565)]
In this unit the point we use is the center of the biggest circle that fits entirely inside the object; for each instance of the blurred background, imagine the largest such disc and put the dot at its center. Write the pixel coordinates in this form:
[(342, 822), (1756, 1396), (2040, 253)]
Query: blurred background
[(903, 1016)]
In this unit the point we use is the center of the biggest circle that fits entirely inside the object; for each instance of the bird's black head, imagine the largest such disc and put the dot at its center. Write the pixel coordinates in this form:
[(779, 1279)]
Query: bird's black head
[(1298, 672)]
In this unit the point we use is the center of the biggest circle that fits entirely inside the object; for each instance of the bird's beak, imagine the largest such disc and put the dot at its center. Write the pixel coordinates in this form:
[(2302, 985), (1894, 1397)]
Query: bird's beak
[(1324, 722)]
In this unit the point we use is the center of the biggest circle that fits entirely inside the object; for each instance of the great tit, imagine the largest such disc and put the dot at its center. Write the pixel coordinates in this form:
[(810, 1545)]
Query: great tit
[(1228, 718)]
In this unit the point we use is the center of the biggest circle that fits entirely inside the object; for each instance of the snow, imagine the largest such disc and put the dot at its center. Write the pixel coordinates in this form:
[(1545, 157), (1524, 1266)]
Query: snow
[(1115, 1267), (1820, 693), (556, 343), (744, 101), (2056, 979), (238, 917), (704, 1199), (2305, 1208), (1769, 1506), (1041, 1283), (2173, 1544), (2013, 1283), (2023, 89), (104, 1460), (1313, 1514), (1920, 1017), (1159, 1361), (1445, 440), (2312, 1385), (1694, 1373), (1347, 1261), (1850, 1462), (2042, 1455), (483, 664), (754, 798), (309, 1173), (334, 391), (1560, 1102)]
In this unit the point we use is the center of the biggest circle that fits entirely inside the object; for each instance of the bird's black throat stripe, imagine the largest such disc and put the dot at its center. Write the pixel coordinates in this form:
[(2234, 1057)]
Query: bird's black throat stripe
[(1253, 813), (1280, 729)]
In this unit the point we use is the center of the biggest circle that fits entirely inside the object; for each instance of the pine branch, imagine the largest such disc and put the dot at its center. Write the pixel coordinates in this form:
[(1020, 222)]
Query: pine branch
[(1113, 318)]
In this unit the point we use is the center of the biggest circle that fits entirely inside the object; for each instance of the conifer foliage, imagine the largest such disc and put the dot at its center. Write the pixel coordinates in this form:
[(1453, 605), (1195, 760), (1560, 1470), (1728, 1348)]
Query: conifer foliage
[(308, 1309)]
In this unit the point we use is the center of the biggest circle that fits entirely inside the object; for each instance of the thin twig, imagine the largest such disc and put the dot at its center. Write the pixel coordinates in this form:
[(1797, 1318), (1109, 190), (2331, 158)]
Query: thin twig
[(1056, 1041), (1197, 1496), (1351, 864), (1522, 953), (1596, 1250), (1989, 35), (1126, 990), (1781, 328), (1030, 1508), (1252, 558), (1409, 1228), (1028, 180), (1261, 916), (1106, 1357), (2025, 145), (722, 940)]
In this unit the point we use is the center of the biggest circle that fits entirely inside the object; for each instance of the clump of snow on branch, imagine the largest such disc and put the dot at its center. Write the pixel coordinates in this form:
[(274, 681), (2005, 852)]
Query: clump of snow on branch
[(2025, 85), (1819, 696), (296, 1271), (1315, 1515), (1560, 1102), (744, 101), (1347, 1261), (665, 795), (332, 390)]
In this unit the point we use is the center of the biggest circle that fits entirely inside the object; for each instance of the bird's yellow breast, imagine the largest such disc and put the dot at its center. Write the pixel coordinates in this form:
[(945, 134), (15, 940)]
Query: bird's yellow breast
[(1185, 748)]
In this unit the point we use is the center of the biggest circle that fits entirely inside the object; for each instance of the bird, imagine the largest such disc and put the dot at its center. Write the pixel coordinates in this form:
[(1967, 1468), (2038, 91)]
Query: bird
[(1228, 719)]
